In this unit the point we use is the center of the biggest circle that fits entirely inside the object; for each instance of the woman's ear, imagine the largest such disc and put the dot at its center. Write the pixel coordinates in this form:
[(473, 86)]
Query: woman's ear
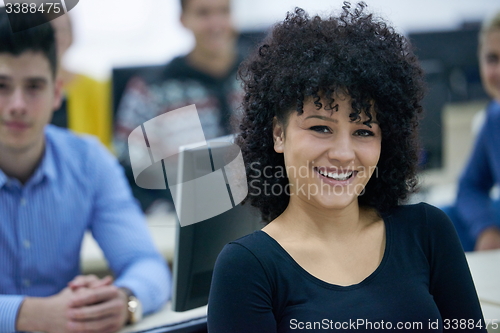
[(278, 135)]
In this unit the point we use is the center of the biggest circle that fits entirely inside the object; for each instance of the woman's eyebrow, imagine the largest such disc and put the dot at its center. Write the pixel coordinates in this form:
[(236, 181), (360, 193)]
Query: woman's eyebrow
[(323, 118), (335, 120)]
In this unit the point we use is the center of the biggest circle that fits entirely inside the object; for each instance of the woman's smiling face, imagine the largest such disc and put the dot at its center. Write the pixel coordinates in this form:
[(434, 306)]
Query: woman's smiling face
[(329, 158)]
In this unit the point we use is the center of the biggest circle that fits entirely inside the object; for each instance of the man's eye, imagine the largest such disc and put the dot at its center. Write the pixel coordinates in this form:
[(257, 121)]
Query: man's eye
[(320, 129), (492, 59), (203, 12), (5, 88), (363, 132), (34, 87)]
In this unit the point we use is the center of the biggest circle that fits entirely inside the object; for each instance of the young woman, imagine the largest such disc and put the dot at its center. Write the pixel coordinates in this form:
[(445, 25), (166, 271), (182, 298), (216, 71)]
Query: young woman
[(329, 138)]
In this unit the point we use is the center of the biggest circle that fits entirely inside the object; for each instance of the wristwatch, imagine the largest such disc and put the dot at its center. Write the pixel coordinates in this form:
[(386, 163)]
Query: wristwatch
[(134, 307)]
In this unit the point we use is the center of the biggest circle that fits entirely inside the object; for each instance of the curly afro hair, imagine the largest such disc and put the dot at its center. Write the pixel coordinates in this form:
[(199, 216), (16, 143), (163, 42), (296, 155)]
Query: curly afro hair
[(354, 53)]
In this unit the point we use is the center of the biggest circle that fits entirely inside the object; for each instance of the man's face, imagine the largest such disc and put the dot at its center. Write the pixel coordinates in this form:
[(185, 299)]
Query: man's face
[(210, 21), (28, 96), (489, 61)]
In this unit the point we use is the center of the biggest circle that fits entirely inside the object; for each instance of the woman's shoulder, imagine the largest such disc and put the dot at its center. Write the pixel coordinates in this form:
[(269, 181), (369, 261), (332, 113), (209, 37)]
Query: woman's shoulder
[(254, 253), (257, 250), (257, 243), (254, 246), (419, 226), (252, 239), (415, 211), (420, 216)]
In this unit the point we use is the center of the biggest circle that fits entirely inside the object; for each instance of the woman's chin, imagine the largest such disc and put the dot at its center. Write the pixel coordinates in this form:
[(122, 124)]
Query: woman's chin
[(333, 202)]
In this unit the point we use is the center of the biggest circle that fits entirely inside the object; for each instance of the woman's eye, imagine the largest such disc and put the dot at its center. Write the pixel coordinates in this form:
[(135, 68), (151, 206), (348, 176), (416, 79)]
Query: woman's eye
[(363, 132), (320, 129)]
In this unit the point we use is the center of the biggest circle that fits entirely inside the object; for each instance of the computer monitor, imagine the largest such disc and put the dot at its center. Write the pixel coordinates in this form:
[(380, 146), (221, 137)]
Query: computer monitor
[(450, 63), (199, 244)]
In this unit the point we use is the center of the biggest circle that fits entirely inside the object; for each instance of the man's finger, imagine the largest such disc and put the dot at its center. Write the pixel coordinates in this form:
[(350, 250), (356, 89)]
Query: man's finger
[(87, 296), (105, 281), (82, 281), (97, 311), (104, 325), (90, 281)]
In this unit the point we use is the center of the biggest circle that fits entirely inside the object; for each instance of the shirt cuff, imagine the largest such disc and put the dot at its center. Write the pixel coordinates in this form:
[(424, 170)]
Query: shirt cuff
[(476, 230), (9, 308), (153, 293)]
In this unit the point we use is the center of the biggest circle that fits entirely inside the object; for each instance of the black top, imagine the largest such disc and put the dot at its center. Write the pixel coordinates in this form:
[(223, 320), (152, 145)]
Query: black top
[(423, 278)]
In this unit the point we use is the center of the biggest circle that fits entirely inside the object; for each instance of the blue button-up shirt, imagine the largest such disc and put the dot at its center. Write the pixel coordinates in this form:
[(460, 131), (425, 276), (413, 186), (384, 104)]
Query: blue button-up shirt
[(78, 186), (474, 204)]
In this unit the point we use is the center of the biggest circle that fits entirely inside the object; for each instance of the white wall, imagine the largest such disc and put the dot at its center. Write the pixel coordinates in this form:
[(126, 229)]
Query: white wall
[(135, 32)]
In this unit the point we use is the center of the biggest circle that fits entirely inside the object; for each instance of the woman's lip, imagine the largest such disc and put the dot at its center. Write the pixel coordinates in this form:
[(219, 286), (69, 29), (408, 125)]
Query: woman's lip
[(334, 182), (336, 170)]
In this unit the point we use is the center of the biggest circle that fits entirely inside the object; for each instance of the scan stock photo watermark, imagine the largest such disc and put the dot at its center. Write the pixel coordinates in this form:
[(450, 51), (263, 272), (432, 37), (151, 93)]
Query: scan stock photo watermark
[(28, 14)]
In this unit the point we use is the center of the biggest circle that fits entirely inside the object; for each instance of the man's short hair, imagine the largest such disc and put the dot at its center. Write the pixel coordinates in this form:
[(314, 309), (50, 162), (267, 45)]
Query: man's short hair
[(38, 39), (489, 25)]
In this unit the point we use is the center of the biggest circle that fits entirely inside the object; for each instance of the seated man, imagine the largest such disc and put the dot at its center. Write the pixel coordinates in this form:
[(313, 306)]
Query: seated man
[(54, 186), (206, 77), (475, 215)]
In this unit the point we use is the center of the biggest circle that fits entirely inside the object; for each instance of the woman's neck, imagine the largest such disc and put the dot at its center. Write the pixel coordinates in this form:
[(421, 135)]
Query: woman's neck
[(302, 219)]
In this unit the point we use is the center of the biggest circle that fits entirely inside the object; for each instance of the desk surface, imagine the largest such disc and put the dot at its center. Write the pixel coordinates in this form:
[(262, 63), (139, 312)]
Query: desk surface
[(485, 270), (164, 317)]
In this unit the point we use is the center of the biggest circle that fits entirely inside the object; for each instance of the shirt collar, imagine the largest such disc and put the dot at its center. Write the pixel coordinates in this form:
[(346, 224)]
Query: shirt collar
[(47, 165), (3, 179)]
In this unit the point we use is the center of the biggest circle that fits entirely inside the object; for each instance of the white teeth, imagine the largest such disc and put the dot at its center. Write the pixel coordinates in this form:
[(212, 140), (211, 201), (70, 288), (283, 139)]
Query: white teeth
[(336, 175)]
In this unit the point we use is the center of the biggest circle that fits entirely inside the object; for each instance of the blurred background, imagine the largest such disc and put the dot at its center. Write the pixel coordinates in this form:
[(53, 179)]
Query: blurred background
[(124, 33), (115, 33)]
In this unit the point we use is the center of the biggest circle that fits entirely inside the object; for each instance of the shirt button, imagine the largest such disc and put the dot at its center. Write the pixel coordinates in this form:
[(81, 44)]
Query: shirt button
[(27, 243), (23, 202), (27, 282)]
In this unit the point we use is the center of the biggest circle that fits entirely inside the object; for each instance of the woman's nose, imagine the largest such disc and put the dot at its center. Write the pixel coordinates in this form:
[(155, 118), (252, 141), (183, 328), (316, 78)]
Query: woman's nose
[(342, 149)]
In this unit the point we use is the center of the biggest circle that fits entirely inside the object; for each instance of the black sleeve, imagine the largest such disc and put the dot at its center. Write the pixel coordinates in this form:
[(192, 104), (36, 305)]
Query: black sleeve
[(451, 282), (240, 295)]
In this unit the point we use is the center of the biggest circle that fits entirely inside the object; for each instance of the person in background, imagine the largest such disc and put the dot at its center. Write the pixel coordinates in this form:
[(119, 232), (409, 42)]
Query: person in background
[(329, 140), (475, 215), (206, 77), (86, 105), (54, 186)]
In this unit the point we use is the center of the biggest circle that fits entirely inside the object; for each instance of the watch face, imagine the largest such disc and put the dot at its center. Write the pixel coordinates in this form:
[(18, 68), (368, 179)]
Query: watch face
[(135, 309)]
